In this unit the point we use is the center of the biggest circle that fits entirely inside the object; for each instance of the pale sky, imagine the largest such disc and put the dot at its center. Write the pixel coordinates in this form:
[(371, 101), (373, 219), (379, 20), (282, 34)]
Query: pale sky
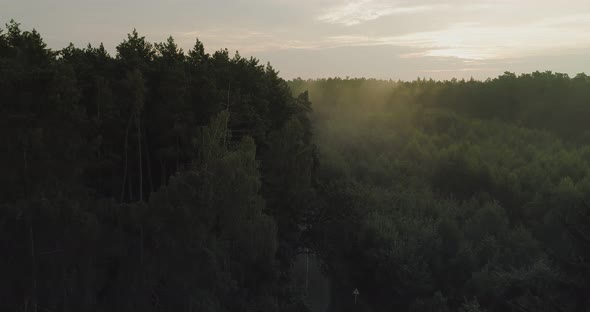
[(385, 39)]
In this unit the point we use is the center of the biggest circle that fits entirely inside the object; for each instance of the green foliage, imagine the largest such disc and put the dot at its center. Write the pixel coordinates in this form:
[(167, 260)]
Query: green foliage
[(437, 303), (471, 306), (135, 182), (156, 180), (212, 213), (453, 188)]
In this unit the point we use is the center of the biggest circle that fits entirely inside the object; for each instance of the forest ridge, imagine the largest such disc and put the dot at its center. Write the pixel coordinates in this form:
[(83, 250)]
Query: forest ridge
[(163, 180)]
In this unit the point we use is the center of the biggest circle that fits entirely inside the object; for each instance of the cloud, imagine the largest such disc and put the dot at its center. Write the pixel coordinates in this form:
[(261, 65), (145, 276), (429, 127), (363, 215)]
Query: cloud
[(486, 40), (244, 40), (475, 41), (464, 69), (478, 42), (359, 11)]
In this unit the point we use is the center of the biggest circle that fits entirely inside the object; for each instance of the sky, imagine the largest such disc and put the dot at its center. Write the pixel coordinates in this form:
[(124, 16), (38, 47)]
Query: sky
[(384, 39)]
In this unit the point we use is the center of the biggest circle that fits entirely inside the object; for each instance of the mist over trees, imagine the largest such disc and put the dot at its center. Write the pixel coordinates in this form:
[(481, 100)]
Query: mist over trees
[(454, 195), (162, 180)]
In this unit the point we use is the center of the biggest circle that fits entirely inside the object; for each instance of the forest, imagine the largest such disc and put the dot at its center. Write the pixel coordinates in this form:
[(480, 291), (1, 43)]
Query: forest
[(158, 179)]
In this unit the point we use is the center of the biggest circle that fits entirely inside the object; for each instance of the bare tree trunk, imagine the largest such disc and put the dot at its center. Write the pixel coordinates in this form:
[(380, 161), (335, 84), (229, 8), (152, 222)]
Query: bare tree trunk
[(25, 173), (141, 245), (140, 167), (163, 176), (126, 152), (177, 153), (228, 111), (31, 237), (98, 110), (65, 289), (99, 98), (33, 266), (148, 159), (130, 189)]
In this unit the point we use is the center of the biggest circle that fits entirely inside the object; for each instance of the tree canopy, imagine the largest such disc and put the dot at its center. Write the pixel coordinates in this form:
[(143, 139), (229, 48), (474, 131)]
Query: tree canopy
[(148, 180), (156, 179)]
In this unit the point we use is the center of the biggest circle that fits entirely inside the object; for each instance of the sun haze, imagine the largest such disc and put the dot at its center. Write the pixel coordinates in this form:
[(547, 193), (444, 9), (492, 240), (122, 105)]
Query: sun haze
[(360, 38)]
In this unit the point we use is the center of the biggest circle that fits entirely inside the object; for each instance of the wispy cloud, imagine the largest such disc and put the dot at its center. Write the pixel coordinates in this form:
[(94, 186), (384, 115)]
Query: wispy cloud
[(464, 69), (469, 41), (478, 42), (246, 41), (355, 12), (463, 40), (359, 11), (474, 41), (392, 35)]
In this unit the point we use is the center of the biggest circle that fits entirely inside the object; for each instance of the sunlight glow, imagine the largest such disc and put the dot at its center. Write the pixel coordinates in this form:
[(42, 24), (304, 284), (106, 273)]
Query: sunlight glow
[(469, 41), (478, 42)]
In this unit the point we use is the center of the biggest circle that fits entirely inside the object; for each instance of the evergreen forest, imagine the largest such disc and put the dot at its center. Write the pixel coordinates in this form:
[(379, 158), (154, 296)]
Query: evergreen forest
[(156, 179)]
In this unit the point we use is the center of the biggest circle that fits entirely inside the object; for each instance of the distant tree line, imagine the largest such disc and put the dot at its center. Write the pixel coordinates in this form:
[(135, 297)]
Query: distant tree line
[(454, 195)]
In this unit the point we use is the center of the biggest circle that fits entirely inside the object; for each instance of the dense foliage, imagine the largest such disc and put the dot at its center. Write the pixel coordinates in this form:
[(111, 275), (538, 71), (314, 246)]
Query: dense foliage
[(454, 195), (159, 180), (154, 180)]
